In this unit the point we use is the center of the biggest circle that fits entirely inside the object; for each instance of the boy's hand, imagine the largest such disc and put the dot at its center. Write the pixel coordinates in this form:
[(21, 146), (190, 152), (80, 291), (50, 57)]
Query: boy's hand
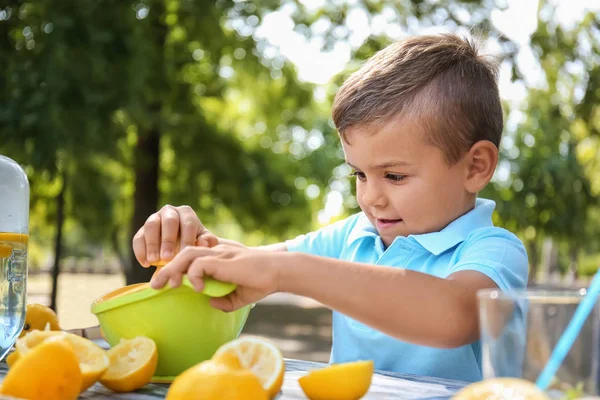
[(157, 239), (255, 272)]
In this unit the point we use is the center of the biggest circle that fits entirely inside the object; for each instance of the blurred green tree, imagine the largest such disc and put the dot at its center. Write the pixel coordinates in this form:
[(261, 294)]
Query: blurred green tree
[(119, 107), (553, 153), (94, 92)]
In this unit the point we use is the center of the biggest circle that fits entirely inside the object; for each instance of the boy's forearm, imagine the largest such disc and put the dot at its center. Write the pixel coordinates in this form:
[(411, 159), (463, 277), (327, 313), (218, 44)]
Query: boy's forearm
[(274, 247), (230, 242), (269, 247), (405, 304)]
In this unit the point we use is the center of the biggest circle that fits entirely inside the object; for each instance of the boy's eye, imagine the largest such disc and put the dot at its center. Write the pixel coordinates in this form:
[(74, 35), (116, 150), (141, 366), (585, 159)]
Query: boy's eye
[(360, 175), (395, 177)]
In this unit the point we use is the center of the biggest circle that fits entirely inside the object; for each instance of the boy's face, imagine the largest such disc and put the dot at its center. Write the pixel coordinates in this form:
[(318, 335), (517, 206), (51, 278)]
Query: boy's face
[(404, 185)]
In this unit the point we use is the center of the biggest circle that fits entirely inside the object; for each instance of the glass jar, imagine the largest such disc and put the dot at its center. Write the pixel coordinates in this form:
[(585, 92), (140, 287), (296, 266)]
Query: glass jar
[(520, 329), (14, 235)]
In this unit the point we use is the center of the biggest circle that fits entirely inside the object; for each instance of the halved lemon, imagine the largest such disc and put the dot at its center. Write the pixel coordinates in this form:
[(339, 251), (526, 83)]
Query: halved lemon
[(93, 360), (132, 364), (260, 356), (217, 380), (501, 389), (49, 371), (345, 381)]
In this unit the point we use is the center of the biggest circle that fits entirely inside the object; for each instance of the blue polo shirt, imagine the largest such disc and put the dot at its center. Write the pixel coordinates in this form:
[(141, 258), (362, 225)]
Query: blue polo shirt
[(469, 243)]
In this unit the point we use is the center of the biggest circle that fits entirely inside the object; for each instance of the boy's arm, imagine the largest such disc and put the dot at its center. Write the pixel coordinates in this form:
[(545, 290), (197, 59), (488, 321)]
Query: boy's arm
[(413, 306), (268, 247), (324, 242), (405, 304), (408, 305), (274, 247)]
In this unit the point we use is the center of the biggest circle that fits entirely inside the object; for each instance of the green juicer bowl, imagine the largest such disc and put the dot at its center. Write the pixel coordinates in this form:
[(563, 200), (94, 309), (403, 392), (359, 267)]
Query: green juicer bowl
[(185, 328)]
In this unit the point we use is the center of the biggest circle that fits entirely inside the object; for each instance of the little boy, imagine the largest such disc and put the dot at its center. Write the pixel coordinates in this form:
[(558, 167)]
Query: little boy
[(420, 124)]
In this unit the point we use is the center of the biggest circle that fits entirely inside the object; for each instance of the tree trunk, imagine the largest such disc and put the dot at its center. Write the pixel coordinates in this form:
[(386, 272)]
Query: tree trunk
[(147, 151), (146, 196), (60, 219), (534, 260)]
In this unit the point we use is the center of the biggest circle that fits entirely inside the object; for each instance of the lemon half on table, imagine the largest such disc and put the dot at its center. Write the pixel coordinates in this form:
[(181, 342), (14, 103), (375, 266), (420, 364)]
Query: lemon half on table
[(501, 389)]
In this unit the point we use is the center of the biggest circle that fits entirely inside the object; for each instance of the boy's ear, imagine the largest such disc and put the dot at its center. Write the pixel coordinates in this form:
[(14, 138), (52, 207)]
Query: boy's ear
[(481, 164)]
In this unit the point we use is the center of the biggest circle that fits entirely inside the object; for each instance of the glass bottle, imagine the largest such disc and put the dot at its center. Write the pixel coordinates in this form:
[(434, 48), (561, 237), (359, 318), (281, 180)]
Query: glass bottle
[(14, 236)]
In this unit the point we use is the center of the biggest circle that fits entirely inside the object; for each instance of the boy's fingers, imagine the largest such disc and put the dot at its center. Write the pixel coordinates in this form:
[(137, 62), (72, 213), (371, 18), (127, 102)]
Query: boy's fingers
[(190, 226), (229, 303), (222, 303), (175, 269), (152, 234), (169, 219), (207, 240), (175, 279), (139, 248), (211, 239), (195, 275), (188, 258), (160, 278)]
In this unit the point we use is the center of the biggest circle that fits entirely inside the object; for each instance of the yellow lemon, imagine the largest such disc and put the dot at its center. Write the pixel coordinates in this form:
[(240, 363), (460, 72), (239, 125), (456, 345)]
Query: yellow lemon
[(132, 364), (12, 358), (260, 356), (93, 360), (216, 380), (501, 389), (39, 317), (50, 371), (346, 381), (229, 360)]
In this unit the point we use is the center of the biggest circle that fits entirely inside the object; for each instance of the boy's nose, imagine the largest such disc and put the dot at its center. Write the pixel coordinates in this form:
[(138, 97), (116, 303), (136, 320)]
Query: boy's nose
[(374, 197)]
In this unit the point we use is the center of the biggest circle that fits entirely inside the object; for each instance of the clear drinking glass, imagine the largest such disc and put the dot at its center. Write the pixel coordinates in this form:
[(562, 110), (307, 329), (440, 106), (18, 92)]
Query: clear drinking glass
[(14, 229), (519, 331)]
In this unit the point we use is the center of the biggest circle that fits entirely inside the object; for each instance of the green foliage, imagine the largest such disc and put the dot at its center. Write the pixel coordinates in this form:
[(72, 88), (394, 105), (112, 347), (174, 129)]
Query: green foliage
[(88, 84), (88, 87), (554, 180)]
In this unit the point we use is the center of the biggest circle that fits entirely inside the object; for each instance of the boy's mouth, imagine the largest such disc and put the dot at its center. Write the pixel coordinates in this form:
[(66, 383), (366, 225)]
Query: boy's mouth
[(386, 223)]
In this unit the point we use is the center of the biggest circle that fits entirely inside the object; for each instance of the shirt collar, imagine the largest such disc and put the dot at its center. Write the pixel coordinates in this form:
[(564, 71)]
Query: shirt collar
[(437, 242), (363, 228), (458, 230)]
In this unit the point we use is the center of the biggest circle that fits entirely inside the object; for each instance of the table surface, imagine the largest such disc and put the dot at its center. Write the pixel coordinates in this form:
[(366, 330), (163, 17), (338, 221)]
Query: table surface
[(385, 385)]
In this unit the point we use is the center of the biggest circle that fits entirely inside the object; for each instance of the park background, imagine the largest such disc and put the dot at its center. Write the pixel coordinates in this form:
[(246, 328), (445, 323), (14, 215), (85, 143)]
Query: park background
[(115, 108)]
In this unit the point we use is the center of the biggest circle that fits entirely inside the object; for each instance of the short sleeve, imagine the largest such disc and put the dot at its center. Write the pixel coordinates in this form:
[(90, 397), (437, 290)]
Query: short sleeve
[(496, 253), (328, 241)]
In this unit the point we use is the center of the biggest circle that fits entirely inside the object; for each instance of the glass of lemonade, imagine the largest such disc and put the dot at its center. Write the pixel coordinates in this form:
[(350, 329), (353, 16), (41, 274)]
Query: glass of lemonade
[(14, 225), (520, 330)]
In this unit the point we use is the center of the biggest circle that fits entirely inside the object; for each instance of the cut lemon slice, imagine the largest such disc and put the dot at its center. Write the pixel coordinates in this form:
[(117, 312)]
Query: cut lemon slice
[(258, 355), (93, 360), (49, 371), (501, 389), (217, 380), (346, 381), (132, 364)]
